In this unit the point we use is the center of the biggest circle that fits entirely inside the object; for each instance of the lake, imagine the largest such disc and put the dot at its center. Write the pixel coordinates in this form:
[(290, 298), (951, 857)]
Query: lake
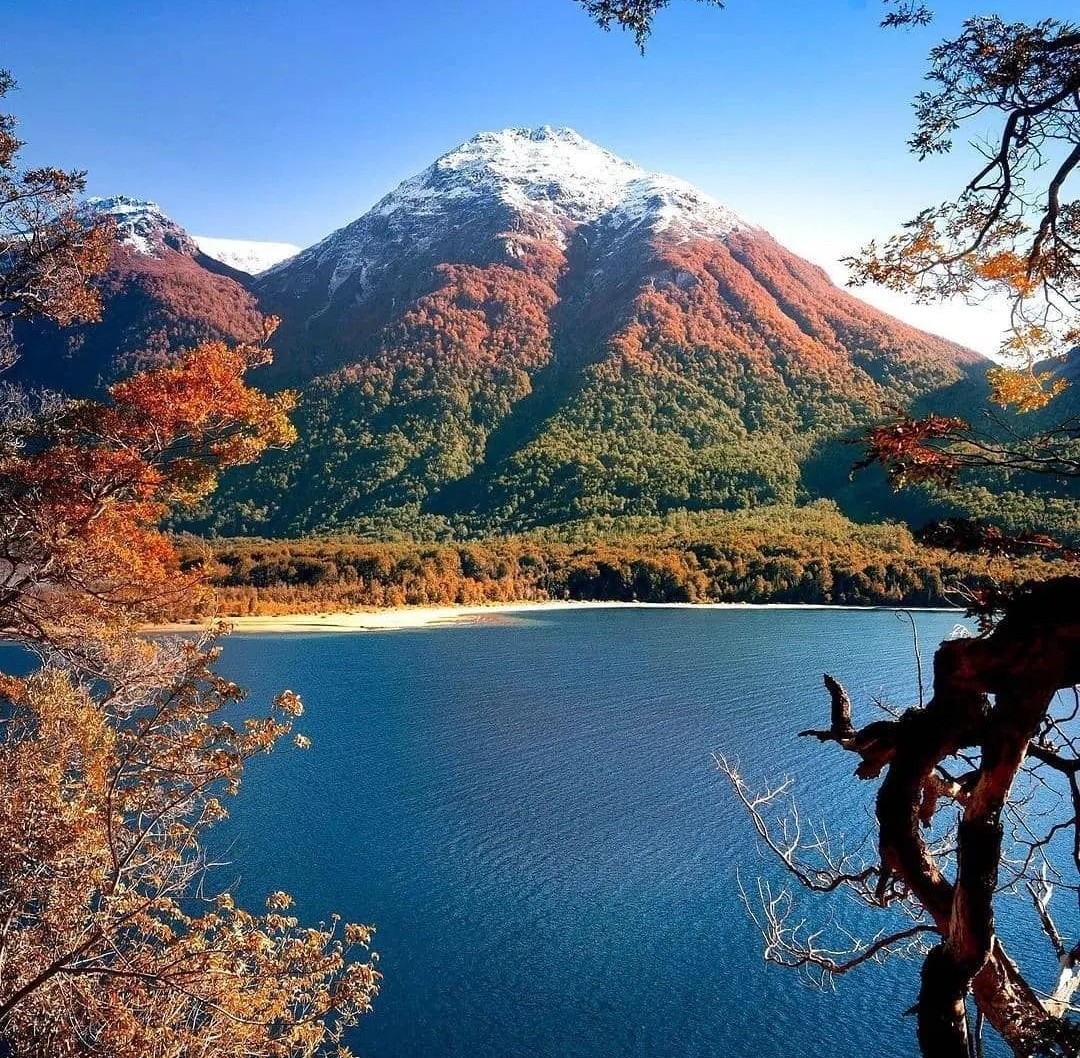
[(529, 812)]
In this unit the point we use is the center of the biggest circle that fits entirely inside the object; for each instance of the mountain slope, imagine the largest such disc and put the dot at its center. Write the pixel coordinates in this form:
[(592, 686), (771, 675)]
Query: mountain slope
[(493, 200), (533, 330), (160, 294)]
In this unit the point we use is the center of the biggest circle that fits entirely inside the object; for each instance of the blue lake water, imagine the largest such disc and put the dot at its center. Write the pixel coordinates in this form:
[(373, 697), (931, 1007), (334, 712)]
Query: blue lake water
[(529, 812)]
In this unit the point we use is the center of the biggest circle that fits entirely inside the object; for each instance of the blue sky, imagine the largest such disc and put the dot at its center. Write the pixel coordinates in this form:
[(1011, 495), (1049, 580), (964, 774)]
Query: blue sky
[(282, 120)]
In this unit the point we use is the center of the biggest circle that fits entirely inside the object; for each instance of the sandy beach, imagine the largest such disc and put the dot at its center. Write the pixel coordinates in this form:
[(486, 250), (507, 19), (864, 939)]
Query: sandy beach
[(425, 616), (367, 620)]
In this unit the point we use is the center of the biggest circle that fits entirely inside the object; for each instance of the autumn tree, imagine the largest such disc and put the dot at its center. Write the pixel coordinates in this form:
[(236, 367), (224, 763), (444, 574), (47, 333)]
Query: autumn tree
[(48, 252), (116, 752), (952, 832), (995, 722)]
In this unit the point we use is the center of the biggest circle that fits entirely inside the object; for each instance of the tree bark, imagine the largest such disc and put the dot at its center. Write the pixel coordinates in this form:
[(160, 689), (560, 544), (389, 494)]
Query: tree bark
[(1032, 653)]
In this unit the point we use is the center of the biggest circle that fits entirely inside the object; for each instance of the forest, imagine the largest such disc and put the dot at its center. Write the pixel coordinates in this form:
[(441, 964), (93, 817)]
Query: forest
[(772, 555)]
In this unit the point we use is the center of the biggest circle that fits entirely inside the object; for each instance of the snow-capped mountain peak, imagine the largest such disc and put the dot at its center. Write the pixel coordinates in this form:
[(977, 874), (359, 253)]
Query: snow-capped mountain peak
[(142, 225), (554, 175), (542, 182), (246, 255), (539, 170)]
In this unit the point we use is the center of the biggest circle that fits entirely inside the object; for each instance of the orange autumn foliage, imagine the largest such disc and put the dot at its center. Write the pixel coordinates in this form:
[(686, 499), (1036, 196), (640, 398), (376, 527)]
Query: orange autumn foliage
[(1025, 389), (85, 488), (915, 450), (1008, 268), (105, 948), (114, 756), (779, 316), (157, 304), (492, 318)]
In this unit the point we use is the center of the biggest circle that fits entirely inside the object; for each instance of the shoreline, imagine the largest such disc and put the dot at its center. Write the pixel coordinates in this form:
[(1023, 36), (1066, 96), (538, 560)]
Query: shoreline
[(412, 617)]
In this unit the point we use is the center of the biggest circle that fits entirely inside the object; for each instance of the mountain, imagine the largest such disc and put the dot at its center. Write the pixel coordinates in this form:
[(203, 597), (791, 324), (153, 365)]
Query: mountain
[(533, 330), (161, 293), (521, 198), (245, 255)]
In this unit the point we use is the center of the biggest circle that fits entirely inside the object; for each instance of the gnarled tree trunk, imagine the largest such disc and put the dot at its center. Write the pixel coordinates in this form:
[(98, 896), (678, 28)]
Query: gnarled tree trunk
[(991, 694)]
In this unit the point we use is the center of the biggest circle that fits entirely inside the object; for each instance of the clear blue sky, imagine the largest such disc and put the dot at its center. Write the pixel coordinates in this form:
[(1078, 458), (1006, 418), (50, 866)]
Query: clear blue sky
[(282, 119)]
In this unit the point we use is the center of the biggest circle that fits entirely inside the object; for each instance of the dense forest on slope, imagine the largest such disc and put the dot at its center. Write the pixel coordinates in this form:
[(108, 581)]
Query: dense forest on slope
[(520, 394), (782, 554)]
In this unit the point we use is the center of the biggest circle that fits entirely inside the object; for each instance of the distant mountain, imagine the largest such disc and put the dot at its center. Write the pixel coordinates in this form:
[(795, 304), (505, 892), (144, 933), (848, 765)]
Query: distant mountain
[(161, 293), (533, 329), (245, 255)]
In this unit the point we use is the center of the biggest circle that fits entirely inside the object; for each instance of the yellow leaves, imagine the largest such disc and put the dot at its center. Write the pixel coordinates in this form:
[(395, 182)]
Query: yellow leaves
[(990, 243), (289, 703), (1009, 268), (11, 687), (1024, 389), (357, 934), (269, 325), (904, 259), (109, 804), (279, 901), (301, 741)]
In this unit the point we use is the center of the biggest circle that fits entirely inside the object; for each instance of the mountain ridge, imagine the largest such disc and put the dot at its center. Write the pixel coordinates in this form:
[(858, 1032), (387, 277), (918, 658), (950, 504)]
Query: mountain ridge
[(160, 293), (532, 330)]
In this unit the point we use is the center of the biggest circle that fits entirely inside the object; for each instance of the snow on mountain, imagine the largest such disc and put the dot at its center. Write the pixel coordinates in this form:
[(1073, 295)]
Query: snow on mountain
[(246, 255), (548, 181), (554, 175), (145, 228), (142, 225), (666, 203), (551, 173)]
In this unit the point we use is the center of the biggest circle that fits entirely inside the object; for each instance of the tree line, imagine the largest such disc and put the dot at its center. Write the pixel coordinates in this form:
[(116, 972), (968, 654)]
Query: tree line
[(808, 555)]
